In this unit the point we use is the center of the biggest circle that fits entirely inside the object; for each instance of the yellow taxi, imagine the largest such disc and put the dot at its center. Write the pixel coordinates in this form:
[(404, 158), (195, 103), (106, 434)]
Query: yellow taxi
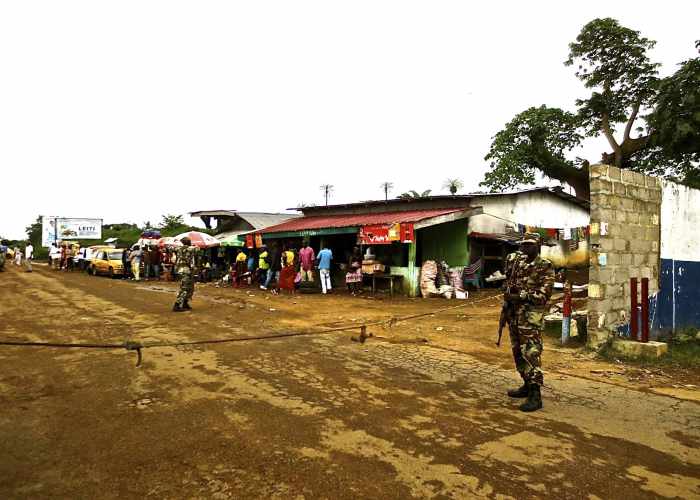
[(106, 260)]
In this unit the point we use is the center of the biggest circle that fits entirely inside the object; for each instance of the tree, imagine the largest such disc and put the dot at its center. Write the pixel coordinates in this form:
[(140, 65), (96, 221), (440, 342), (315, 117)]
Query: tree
[(386, 187), (453, 185), (612, 62), (34, 232), (171, 221), (327, 189), (411, 195)]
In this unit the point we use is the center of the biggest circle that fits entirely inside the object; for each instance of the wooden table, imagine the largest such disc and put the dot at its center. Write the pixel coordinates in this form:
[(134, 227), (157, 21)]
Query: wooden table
[(390, 277)]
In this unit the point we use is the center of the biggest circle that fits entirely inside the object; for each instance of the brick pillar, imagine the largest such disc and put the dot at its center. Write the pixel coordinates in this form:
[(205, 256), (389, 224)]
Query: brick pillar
[(625, 212)]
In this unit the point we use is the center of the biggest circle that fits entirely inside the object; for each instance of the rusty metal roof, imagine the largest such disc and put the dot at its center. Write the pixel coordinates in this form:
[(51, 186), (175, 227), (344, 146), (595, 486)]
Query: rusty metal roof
[(356, 220)]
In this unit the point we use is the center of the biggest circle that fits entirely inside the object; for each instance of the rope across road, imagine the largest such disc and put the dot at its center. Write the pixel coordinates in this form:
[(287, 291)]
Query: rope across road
[(131, 345)]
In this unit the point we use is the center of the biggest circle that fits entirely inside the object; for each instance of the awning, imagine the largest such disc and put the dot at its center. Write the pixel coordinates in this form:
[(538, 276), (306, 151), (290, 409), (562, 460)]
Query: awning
[(350, 223), (232, 238)]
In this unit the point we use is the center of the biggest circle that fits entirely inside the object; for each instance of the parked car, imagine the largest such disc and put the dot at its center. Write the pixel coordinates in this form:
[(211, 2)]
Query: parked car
[(106, 260)]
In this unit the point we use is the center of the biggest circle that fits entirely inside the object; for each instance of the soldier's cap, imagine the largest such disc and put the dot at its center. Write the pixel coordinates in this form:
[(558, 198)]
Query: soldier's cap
[(530, 238)]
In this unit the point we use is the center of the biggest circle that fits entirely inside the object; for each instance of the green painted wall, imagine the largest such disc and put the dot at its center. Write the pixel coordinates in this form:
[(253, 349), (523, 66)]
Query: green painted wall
[(446, 242)]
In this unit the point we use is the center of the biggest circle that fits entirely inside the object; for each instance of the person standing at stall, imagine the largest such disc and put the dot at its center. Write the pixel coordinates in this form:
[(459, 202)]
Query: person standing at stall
[(186, 265), (135, 258), (307, 257), (241, 266), (155, 261), (263, 266), (353, 277), (325, 256), (126, 263)]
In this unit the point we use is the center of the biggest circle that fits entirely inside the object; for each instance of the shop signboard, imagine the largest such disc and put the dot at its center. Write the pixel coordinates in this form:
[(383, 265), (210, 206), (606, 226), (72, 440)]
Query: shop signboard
[(62, 228), (407, 233), (258, 240), (249, 241), (382, 234), (379, 234)]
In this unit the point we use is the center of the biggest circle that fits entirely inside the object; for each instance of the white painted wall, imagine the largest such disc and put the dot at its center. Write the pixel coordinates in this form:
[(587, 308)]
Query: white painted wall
[(503, 213), (680, 222)]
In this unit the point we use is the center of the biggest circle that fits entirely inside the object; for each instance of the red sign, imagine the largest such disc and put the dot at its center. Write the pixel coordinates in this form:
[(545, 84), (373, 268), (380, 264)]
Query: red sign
[(384, 235), (249, 241), (407, 235), (374, 235)]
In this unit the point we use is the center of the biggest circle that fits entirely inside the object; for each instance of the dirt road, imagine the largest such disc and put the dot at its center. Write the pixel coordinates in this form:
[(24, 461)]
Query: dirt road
[(309, 417)]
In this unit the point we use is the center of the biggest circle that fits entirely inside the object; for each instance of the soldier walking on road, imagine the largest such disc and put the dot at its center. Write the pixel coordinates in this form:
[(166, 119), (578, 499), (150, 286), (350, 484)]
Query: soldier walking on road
[(185, 263), (530, 279)]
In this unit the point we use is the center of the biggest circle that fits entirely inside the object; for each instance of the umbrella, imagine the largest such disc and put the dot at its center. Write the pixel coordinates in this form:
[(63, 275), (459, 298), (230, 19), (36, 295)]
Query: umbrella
[(142, 242), (231, 241), (169, 241), (201, 240)]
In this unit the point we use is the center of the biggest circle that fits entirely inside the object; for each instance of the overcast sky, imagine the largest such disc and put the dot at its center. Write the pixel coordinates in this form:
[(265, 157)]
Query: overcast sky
[(130, 110)]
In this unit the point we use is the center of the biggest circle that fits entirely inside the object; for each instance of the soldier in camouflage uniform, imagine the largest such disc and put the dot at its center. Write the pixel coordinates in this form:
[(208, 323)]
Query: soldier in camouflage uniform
[(185, 263), (3, 253), (530, 279)]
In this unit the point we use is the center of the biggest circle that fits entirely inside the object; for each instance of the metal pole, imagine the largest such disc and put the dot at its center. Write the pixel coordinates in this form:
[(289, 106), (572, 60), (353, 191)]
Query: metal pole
[(634, 325), (566, 313), (645, 309)]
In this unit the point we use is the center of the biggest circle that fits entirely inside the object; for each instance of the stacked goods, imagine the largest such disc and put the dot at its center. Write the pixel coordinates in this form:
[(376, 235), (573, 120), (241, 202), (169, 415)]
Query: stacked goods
[(455, 276), (442, 278), (371, 266), (428, 273)]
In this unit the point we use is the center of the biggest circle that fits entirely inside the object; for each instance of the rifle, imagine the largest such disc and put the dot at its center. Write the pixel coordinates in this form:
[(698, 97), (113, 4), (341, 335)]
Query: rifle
[(507, 307)]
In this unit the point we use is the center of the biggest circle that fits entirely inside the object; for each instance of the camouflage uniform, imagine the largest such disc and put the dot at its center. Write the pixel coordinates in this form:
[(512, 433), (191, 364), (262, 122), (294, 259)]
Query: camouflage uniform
[(534, 281), (185, 263)]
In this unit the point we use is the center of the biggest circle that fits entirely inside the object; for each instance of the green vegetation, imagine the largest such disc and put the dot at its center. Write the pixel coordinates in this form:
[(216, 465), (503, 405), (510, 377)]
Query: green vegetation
[(651, 124), (413, 194)]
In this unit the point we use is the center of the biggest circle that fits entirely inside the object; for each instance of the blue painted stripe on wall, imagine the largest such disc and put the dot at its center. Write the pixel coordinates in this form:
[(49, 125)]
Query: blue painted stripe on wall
[(677, 305)]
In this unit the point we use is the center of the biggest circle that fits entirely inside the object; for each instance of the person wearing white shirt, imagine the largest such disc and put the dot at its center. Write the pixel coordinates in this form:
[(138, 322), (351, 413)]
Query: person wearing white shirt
[(55, 255), (28, 256)]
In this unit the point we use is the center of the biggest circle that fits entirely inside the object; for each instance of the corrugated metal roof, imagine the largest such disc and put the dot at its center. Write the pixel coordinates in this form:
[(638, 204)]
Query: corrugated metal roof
[(351, 220), (261, 220), (458, 199)]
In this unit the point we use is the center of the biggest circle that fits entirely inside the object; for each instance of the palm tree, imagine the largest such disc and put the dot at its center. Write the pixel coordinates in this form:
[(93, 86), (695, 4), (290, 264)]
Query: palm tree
[(386, 187), (327, 189), (413, 194), (453, 185)]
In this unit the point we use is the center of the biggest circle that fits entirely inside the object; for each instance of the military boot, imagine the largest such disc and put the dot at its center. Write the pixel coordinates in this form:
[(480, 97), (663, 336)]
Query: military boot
[(177, 308), (534, 399), (186, 306), (520, 392)]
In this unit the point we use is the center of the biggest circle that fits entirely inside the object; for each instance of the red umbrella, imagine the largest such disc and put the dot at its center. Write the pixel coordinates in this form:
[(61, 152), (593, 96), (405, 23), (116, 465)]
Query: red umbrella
[(168, 241), (201, 240)]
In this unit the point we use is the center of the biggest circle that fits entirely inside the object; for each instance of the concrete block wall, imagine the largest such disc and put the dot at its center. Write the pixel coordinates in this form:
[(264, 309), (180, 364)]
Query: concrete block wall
[(625, 242)]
